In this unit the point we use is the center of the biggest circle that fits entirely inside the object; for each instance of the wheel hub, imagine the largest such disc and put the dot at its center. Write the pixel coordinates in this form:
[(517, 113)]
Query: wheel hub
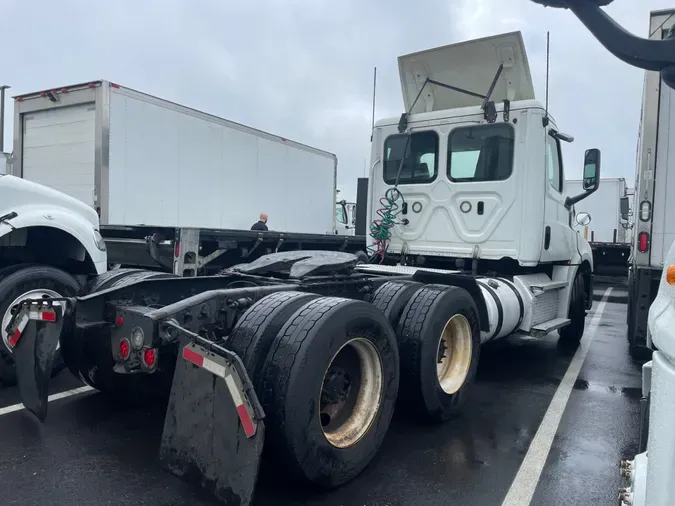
[(336, 387), (351, 393), (454, 354), (39, 293)]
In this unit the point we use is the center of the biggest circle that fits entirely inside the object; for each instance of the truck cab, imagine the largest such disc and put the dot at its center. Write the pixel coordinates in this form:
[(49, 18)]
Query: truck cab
[(345, 218), (476, 184)]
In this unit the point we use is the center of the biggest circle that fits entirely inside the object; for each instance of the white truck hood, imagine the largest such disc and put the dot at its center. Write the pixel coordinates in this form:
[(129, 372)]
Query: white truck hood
[(16, 193)]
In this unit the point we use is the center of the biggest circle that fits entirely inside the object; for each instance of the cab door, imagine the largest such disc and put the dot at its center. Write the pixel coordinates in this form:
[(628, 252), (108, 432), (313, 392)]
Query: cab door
[(557, 244)]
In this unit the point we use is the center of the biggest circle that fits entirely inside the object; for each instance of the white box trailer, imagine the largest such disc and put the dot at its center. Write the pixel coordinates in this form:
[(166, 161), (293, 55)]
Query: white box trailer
[(653, 205), (4, 163), (141, 160), (604, 207)]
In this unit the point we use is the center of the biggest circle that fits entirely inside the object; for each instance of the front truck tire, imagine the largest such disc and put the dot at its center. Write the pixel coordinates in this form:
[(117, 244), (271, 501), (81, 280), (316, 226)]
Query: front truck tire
[(439, 345), (329, 387), (572, 334), (20, 282)]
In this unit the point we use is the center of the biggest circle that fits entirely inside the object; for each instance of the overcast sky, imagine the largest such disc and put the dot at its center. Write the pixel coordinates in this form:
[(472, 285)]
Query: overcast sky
[(303, 68)]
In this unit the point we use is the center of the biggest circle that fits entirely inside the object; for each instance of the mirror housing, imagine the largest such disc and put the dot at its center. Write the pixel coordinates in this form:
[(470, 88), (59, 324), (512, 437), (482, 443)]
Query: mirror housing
[(583, 218), (591, 177), (624, 205), (591, 169)]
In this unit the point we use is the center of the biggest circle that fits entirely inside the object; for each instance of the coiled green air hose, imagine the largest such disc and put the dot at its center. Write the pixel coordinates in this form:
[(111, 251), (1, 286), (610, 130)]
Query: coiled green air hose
[(390, 208)]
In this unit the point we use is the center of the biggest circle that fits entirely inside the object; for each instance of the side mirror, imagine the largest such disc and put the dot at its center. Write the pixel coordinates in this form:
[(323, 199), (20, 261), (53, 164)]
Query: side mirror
[(583, 218), (592, 169), (591, 180), (624, 205)]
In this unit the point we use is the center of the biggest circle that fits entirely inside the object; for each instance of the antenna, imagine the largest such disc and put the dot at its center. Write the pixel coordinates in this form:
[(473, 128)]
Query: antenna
[(372, 123), (548, 57)]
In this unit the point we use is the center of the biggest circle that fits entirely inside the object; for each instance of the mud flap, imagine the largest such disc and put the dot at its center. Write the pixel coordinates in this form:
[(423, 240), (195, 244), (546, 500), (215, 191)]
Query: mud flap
[(35, 332), (213, 431)]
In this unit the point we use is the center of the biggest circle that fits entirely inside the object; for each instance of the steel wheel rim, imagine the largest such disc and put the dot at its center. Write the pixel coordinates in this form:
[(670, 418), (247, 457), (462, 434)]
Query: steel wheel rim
[(39, 293), (454, 354), (346, 412)]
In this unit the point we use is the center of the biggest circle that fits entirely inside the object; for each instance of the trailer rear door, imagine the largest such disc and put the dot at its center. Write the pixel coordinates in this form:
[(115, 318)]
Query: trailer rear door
[(59, 149)]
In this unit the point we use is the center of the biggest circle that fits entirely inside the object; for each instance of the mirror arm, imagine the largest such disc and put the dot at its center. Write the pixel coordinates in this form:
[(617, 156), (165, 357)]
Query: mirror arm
[(570, 201)]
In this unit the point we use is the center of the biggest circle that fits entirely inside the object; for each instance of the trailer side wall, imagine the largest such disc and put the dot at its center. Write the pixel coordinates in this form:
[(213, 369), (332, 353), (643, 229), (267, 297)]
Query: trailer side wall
[(170, 167), (604, 208), (663, 225), (141, 160)]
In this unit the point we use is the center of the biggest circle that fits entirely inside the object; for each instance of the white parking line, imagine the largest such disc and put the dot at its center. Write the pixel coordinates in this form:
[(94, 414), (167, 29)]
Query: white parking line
[(523, 486), (54, 397)]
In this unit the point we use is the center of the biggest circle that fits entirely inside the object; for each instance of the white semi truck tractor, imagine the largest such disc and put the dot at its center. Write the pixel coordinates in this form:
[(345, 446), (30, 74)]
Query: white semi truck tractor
[(49, 246), (471, 241)]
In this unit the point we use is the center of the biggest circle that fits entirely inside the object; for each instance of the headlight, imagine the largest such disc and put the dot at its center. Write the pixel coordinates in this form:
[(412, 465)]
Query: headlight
[(98, 239)]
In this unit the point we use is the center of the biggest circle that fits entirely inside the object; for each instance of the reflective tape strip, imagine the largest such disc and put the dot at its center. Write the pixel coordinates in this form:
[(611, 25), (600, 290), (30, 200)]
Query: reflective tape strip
[(219, 370), (19, 329), (45, 316), (246, 422), (192, 356)]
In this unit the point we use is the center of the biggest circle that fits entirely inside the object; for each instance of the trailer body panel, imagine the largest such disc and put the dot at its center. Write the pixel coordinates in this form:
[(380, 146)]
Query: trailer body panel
[(4, 163), (653, 182), (603, 206), (653, 231), (142, 160)]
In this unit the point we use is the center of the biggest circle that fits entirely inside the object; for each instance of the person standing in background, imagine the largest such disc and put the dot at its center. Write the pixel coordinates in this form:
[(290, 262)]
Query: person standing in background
[(261, 224)]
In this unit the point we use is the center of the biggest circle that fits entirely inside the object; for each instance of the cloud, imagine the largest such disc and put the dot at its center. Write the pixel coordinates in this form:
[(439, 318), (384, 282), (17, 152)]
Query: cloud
[(303, 68)]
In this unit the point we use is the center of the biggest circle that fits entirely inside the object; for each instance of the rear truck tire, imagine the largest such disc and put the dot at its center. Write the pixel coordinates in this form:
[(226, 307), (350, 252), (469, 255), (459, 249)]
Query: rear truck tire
[(392, 297), (257, 328), (29, 282), (329, 390), (91, 358), (572, 334), (104, 281), (439, 345)]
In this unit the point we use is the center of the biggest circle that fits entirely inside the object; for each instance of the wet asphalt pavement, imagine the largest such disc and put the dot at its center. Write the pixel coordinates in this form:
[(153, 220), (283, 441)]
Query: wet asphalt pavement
[(92, 452)]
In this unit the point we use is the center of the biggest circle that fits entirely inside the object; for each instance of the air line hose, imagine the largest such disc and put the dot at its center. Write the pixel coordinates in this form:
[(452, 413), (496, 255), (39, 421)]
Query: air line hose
[(390, 208), (388, 213)]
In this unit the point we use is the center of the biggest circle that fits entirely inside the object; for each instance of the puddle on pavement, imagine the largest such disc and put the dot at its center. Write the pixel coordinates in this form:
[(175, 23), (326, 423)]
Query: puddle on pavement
[(630, 392)]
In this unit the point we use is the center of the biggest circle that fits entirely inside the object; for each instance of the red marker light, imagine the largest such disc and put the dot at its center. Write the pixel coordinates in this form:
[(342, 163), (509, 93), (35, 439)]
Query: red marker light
[(119, 321), (643, 242), (124, 348), (150, 357)]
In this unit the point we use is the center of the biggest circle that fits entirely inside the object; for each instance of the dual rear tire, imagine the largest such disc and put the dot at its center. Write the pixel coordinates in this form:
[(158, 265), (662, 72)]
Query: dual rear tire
[(327, 370), (436, 325)]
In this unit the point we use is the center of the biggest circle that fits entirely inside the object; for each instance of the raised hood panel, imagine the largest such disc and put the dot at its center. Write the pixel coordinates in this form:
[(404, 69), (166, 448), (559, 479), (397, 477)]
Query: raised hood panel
[(468, 65)]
